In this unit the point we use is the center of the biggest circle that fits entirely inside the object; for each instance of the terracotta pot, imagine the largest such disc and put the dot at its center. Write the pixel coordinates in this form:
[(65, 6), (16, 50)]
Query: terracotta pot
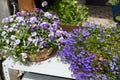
[(68, 28), (41, 56)]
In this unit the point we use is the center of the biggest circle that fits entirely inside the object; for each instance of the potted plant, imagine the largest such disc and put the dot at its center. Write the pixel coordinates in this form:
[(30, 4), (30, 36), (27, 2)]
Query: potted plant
[(70, 13), (93, 53), (31, 35), (115, 4)]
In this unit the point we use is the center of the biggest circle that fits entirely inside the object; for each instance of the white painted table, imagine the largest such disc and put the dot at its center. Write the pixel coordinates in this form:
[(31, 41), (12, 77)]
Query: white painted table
[(53, 66)]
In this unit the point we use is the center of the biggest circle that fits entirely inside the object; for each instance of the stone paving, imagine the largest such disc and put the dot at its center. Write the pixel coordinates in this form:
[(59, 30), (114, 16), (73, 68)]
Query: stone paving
[(101, 15)]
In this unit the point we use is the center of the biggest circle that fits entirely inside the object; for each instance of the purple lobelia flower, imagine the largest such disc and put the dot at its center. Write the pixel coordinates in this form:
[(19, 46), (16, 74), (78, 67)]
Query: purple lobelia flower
[(85, 33), (101, 39)]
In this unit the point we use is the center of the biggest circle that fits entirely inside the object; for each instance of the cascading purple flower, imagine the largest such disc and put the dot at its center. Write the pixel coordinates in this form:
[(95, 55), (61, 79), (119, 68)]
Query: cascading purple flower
[(85, 33)]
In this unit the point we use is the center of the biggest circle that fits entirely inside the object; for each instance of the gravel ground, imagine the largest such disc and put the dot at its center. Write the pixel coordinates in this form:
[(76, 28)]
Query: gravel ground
[(101, 15)]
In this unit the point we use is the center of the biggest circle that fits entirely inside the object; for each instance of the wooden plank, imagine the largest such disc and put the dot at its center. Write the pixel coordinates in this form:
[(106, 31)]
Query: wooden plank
[(4, 9), (27, 5)]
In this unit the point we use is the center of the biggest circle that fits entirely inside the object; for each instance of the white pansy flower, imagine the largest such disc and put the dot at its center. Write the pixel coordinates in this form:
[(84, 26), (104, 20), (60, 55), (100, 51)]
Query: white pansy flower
[(5, 27), (3, 33), (7, 41), (5, 20), (11, 43), (11, 29), (30, 39), (12, 37), (44, 3), (35, 41), (11, 19), (19, 19), (24, 55), (18, 31), (17, 41), (33, 34), (33, 19), (23, 12), (48, 15), (14, 25)]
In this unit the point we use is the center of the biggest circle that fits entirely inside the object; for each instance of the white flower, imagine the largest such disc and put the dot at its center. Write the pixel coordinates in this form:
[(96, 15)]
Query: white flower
[(51, 34), (33, 19), (17, 41), (35, 41), (12, 37), (33, 34), (14, 25), (48, 15), (23, 12), (30, 39), (18, 31), (5, 27), (19, 19), (7, 41), (24, 56), (3, 33), (5, 20), (44, 3), (11, 43), (11, 19), (11, 29)]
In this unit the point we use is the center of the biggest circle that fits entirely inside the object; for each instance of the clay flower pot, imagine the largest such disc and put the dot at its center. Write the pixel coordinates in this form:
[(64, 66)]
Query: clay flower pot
[(41, 56)]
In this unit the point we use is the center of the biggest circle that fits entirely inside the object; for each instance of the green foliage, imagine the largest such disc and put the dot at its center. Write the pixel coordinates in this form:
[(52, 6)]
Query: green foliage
[(113, 2), (118, 17), (69, 12)]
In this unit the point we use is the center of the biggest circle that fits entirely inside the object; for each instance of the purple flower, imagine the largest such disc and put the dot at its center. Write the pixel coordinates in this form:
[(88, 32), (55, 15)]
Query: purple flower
[(57, 21), (104, 77), (85, 33), (18, 14), (45, 25), (58, 33), (61, 40), (40, 38), (115, 57), (29, 23), (31, 29), (44, 44), (37, 10), (101, 40), (51, 38)]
